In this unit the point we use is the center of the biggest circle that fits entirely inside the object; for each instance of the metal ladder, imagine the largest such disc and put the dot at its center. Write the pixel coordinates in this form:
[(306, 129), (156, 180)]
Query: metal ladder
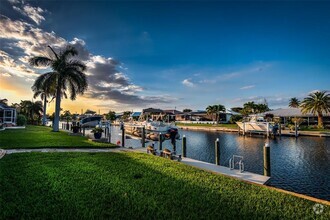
[(240, 163)]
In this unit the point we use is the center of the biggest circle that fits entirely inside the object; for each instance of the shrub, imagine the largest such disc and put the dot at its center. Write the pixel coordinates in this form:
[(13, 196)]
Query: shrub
[(97, 130), (235, 118), (21, 120)]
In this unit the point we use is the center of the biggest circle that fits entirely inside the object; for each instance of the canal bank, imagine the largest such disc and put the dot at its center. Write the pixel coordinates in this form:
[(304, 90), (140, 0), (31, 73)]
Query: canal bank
[(283, 132)]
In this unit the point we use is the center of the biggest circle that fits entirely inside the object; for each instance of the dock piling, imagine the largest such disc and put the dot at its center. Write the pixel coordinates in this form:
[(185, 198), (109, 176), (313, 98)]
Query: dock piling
[(123, 136), (217, 151), (184, 146), (143, 137), (266, 160), (160, 141)]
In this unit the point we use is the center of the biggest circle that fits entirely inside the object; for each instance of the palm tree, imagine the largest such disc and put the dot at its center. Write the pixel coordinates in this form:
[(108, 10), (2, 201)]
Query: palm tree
[(44, 92), (316, 103), (31, 109), (66, 74), (219, 108), (211, 110), (294, 103)]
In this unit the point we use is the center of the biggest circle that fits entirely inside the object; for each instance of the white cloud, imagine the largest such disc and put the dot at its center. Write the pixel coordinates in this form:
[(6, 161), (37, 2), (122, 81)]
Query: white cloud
[(187, 82), (247, 87), (34, 13)]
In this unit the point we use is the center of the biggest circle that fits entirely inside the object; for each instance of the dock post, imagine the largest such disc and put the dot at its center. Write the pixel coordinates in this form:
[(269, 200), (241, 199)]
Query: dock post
[(243, 128), (160, 141), (267, 129), (109, 134), (239, 130), (123, 136), (279, 129), (143, 136), (266, 160), (217, 151), (184, 146), (295, 129)]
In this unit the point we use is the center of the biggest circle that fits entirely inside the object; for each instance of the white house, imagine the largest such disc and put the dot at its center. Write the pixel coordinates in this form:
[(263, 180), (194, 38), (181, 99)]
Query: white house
[(7, 115)]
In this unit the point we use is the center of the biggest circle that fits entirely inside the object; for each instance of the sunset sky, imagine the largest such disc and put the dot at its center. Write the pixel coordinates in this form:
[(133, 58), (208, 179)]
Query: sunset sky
[(171, 54)]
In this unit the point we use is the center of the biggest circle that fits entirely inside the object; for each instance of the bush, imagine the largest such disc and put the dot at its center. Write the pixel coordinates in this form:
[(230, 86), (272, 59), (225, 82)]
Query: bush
[(235, 118), (21, 120)]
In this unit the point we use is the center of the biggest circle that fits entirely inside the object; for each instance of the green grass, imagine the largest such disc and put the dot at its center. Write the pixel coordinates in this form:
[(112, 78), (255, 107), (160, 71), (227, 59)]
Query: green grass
[(232, 126), (133, 186), (41, 137)]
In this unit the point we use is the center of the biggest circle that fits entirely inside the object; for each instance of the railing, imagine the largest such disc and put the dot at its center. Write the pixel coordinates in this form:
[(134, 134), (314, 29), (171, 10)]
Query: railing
[(236, 160)]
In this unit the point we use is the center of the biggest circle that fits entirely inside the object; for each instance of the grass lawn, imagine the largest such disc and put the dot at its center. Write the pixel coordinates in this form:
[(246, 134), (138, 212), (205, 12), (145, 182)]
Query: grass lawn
[(133, 186), (232, 126), (40, 137)]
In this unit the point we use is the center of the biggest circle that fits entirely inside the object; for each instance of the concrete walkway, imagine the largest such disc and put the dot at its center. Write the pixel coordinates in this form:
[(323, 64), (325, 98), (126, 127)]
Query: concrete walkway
[(246, 176)]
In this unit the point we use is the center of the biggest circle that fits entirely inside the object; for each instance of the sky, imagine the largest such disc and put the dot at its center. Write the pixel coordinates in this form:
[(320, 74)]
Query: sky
[(171, 54)]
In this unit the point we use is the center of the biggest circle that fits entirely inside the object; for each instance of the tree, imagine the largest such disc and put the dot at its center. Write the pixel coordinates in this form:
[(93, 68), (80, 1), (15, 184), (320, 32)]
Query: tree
[(90, 112), (126, 114), (237, 109), (211, 110), (316, 103), (4, 101), (111, 115), (44, 91), (31, 109), (186, 110), (249, 107), (294, 103), (67, 74), (219, 109), (260, 108)]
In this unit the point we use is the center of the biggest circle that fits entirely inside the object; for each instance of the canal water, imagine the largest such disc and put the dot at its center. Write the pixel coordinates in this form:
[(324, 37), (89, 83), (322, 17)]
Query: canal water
[(299, 165)]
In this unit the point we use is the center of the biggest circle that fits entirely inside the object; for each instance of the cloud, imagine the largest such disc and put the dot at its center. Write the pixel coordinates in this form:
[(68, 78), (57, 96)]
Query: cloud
[(34, 13), (247, 87), (188, 83), (106, 76)]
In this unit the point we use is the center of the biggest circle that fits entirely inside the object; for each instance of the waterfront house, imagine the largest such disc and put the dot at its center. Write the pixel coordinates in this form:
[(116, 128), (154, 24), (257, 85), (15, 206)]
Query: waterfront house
[(286, 114), (7, 115)]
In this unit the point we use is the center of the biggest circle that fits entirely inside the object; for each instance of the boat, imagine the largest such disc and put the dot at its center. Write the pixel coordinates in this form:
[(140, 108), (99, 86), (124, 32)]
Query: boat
[(153, 130), (257, 124), (90, 121)]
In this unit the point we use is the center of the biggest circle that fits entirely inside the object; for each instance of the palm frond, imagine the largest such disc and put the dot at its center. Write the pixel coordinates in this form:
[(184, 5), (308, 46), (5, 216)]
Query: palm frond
[(68, 52), (40, 61)]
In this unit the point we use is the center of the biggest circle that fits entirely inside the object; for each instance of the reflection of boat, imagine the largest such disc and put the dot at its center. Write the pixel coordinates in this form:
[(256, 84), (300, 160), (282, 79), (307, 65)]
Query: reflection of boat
[(90, 121)]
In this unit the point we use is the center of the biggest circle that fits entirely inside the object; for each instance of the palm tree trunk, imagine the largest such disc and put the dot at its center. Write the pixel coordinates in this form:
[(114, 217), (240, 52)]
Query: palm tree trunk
[(44, 115), (319, 120), (56, 126)]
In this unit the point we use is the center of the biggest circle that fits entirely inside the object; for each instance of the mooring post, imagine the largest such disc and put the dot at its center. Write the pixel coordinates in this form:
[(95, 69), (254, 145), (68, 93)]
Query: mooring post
[(266, 160), (160, 141), (267, 129), (279, 129), (109, 133), (243, 128), (217, 151), (184, 146), (123, 136), (295, 129), (143, 137)]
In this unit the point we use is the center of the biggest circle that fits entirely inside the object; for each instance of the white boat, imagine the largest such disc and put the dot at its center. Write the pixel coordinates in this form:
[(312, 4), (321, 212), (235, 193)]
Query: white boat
[(90, 121)]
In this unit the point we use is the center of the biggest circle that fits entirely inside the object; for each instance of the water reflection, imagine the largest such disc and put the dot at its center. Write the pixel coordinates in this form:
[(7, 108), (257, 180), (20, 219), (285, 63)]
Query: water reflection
[(300, 165)]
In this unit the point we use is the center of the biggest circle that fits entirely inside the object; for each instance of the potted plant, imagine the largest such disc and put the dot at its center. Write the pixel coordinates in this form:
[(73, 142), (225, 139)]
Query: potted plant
[(97, 132), (75, 129)]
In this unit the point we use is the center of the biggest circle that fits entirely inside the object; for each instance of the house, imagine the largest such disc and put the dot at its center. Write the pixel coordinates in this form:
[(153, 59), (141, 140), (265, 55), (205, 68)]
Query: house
[(135, 115), (200, 115), (7, 115), (286, 114)]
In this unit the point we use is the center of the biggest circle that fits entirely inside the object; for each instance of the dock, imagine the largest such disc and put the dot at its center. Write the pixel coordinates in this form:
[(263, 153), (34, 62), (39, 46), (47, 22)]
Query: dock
[(245, 176)]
